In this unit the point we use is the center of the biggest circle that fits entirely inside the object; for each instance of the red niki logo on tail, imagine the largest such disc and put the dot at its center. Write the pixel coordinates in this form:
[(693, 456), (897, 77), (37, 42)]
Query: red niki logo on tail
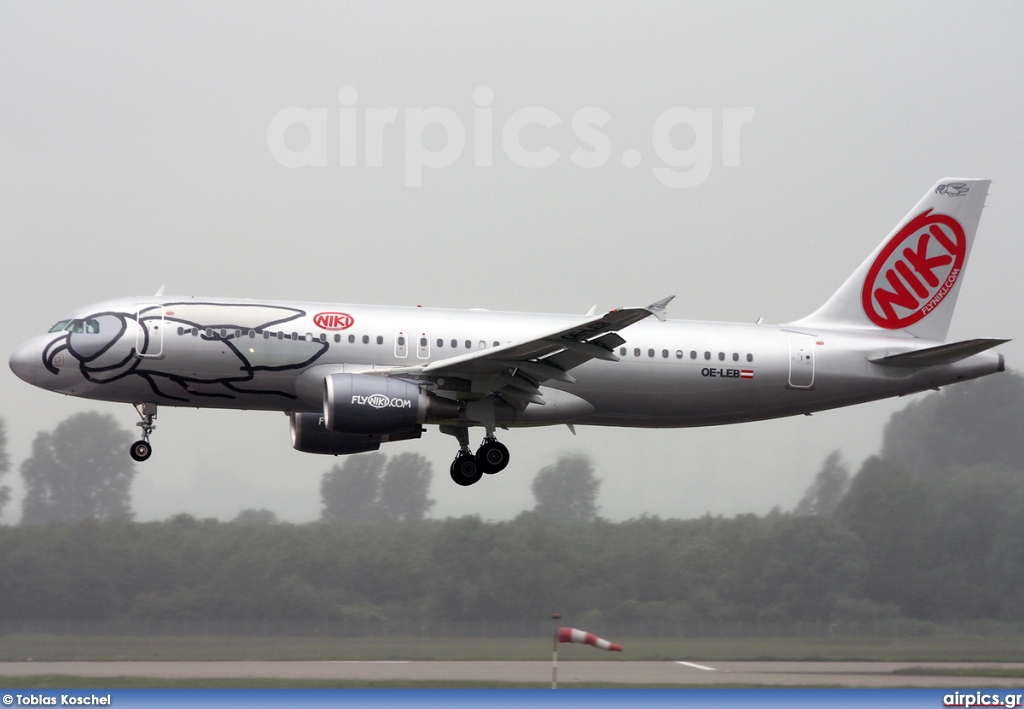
[(333, 321), (904, 284)]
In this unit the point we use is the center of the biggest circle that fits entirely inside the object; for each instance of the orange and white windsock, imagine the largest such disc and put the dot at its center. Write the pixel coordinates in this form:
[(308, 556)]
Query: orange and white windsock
[(571, 635)]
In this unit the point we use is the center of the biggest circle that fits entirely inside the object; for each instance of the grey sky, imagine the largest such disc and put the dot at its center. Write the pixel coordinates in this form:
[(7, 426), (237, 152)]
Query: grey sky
[(134, 153)]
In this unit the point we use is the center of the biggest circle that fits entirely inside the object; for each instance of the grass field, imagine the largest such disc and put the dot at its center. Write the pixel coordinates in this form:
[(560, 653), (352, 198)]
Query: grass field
[(44, 648)]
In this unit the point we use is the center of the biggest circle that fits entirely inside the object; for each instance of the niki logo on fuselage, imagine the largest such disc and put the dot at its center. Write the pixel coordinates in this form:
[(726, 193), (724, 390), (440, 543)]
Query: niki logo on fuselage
[(904, 284), (333, 321)]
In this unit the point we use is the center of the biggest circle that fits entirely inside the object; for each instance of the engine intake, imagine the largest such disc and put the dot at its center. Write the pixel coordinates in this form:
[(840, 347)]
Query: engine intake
[(362, 403)]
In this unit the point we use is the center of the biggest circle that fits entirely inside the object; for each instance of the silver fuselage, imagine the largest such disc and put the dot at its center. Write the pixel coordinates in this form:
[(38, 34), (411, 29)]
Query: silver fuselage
[(241, 354)]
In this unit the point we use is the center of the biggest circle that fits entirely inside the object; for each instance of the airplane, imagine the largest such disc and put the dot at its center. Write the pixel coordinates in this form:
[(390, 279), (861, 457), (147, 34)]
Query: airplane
[(352, 377)]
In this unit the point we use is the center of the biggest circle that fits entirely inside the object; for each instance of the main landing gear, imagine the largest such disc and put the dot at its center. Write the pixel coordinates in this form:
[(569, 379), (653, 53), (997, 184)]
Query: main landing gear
[(467, 468), (141, 449)]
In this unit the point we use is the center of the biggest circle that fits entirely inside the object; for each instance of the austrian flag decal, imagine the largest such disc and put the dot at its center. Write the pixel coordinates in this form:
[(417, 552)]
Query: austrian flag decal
[(915, 271), (746, 374)]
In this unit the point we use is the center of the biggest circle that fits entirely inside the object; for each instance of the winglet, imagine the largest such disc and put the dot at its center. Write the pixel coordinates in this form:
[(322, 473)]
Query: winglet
[(160, 292), (658, 309)]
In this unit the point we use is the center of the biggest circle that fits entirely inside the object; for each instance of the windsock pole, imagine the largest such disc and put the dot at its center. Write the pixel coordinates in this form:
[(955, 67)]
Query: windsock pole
[(554, 662), (572, 635)]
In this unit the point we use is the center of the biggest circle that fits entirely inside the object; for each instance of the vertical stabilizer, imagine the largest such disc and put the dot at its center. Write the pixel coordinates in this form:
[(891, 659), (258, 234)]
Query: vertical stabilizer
[(909, 284)]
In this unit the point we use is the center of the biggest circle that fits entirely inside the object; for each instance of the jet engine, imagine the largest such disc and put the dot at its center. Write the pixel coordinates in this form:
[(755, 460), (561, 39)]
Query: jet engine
[(375, 405), (310, 436)]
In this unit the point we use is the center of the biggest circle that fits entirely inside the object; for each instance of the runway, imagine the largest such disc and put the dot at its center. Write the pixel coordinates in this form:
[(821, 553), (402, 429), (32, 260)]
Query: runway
[(693, 673)]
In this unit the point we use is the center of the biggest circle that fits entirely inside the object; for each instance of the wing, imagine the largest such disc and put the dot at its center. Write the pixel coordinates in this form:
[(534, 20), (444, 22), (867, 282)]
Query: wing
[(515, 371)]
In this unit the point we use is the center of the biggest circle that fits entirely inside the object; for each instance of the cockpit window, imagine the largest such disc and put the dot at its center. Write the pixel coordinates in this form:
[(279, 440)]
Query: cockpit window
[(89, 326)]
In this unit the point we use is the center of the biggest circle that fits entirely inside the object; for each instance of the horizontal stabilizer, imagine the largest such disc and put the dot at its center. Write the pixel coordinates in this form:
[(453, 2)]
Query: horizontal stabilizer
[(943, 354)]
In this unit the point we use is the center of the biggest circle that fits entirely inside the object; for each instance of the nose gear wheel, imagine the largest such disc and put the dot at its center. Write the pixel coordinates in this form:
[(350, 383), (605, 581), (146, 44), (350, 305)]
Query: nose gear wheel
[(142, 449)]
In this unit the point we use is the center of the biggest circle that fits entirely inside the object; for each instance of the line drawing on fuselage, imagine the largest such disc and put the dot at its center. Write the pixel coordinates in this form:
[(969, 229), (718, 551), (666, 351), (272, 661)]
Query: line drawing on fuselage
[(111, 346), (353, 377)]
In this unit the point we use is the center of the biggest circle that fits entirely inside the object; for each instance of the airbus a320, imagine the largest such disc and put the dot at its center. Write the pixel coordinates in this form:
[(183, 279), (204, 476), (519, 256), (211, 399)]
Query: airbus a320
[(352, 377)]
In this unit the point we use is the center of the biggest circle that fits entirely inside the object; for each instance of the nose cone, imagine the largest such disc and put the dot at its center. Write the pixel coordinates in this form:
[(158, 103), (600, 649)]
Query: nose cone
[(27, 362)]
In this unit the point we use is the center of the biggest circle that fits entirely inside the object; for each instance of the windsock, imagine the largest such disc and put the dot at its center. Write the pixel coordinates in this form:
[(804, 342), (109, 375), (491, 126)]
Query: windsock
[(571, 635)]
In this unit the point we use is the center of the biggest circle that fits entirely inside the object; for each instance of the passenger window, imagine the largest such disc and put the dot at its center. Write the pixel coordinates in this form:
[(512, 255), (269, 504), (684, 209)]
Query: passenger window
[(280, 335), (636, 351), (664, 354), (181, 331), (679, 354), (223, 332), (455, 344), (401, 341), (351, 339), (707, 355), (323, 337), (195, 331), (337, 338), (380, 340), (496, 343), (366, 339), (750, 358), (440, 342), (469, 344), (693, 354), (735, 356), (252, 334), (650, 353), (622, 351), (721, 356), (423, 342)]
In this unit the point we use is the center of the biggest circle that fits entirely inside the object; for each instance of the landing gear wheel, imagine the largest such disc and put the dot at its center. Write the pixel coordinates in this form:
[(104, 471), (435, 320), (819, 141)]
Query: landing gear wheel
[(465, 470), (492, 456), (140, 451)]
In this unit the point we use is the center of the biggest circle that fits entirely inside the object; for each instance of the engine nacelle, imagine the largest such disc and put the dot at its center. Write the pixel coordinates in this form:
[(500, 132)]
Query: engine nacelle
[(310, 436), (363, 403)]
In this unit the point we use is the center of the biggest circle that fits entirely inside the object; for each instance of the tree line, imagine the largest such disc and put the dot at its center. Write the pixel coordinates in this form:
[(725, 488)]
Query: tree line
[(928, 530), (78, 472)]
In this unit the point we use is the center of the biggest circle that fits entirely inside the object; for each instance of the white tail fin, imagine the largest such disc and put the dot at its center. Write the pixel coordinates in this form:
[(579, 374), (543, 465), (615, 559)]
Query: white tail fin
[(909, 284)]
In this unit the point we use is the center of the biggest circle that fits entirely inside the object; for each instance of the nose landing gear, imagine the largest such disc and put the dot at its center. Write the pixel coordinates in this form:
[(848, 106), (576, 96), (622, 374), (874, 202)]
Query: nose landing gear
[(141, 449)]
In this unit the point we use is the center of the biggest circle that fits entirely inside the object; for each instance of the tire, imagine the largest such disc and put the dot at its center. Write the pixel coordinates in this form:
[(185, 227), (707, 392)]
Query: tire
[(465, 470), (492, 457), (140, 451)]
